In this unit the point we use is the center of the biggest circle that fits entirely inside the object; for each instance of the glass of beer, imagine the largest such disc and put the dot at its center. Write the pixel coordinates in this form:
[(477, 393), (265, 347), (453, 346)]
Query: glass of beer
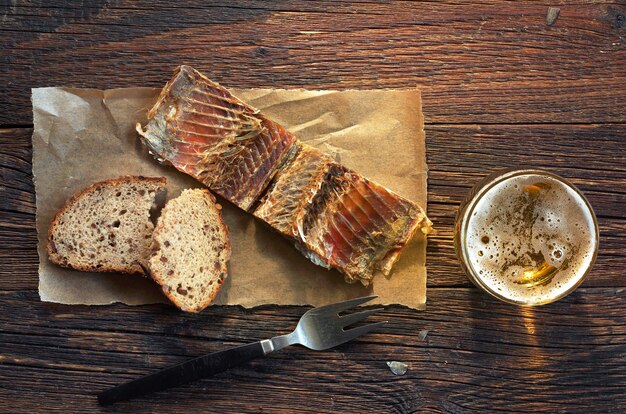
[(527, 237)]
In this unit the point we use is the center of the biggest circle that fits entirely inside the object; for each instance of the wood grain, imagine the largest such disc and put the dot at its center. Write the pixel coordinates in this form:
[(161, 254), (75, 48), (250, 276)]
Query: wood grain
[(507, 358), (501, 88), (477, 62)]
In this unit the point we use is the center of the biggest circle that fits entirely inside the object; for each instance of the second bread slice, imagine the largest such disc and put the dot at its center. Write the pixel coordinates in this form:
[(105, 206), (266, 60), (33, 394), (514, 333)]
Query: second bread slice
[(190, 250)]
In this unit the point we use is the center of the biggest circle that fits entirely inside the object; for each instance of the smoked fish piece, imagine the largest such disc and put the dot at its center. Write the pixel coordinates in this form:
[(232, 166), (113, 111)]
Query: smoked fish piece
[(203, 130), (286, 202), (336, 217)]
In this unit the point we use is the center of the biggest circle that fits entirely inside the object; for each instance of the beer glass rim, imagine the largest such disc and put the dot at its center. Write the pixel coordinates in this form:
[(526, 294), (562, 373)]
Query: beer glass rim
[(467, 209)]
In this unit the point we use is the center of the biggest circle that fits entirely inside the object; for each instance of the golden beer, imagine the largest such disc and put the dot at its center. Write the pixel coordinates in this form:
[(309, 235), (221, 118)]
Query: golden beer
[(527, 237)]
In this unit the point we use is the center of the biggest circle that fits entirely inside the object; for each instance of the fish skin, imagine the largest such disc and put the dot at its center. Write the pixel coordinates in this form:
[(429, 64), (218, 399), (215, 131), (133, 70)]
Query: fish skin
[(198, 127), (359, 226), (336, 217)]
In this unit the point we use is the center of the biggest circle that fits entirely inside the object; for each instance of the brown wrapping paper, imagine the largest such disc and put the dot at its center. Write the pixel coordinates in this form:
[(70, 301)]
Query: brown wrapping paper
[(83, 136)]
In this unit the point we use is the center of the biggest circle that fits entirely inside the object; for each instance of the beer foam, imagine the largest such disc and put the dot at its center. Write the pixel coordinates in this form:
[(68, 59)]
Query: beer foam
[(523, 223)]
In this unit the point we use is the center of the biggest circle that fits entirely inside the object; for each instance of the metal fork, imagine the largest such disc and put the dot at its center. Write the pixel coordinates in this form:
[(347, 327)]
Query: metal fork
[(318, 329)]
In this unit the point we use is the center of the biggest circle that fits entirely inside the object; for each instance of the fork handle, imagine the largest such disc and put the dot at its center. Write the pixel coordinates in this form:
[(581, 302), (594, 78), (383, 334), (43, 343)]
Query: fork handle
[(189, 371)]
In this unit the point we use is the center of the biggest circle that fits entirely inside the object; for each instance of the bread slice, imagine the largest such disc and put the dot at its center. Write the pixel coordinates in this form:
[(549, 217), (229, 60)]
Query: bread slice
[(106, 227), (191, 250)]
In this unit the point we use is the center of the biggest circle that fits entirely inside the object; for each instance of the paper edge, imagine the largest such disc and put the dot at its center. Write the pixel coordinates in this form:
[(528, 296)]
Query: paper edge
[(425, 206), (34, 178)]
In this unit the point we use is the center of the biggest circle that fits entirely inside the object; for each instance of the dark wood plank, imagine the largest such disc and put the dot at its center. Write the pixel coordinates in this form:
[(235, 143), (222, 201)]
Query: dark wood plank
[(477, 62), (458, 156), (564, 357)]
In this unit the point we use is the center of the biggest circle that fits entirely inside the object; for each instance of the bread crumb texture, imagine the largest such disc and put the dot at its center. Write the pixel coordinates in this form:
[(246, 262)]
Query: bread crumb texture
[(106, 227)]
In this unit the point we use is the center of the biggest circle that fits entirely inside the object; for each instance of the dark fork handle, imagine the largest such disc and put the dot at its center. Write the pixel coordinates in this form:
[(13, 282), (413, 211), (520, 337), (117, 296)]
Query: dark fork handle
[(184, 373)]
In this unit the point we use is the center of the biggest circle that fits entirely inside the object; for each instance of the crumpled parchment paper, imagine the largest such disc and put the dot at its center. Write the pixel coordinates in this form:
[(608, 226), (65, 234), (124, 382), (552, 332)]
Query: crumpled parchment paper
[(82, 136)]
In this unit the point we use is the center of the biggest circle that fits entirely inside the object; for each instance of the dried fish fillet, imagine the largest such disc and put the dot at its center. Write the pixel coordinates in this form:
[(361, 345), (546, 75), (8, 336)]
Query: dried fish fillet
[(338, 218), (286, 203), (335, 217), (201, 129), (363, 226)]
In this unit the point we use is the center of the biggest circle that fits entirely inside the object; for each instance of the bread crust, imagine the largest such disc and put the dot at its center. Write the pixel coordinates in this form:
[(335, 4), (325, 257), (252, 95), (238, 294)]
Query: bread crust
[(55, 258)]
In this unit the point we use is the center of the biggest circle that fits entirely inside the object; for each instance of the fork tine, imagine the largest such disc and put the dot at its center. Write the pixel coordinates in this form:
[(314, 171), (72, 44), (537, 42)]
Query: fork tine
[(357, 316), (350, 334), (342, 306)]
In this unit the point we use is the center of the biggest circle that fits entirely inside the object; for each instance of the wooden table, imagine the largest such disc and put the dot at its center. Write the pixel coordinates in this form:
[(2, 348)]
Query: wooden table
[(501, 88)]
